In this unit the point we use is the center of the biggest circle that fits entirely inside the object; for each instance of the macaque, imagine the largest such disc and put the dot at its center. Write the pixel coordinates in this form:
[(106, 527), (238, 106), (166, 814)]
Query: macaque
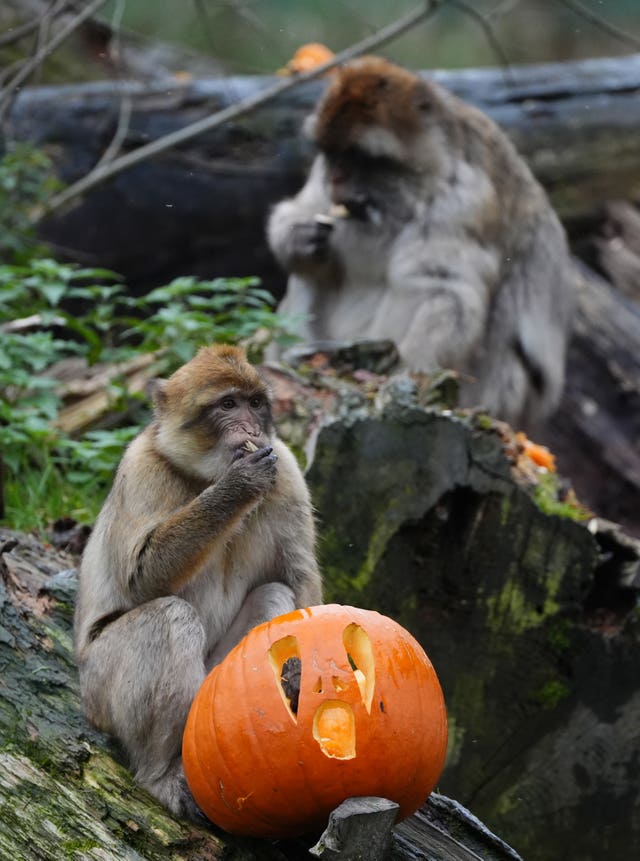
[(420, 223), (207, 531)]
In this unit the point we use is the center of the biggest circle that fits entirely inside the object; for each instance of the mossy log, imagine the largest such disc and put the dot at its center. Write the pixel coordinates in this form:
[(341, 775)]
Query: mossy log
[(64, 791), (201, 208), (529, 616)]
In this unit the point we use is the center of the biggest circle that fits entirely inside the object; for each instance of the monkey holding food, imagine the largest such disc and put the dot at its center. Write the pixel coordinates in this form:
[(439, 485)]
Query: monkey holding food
[(420, 223), (207, 531)]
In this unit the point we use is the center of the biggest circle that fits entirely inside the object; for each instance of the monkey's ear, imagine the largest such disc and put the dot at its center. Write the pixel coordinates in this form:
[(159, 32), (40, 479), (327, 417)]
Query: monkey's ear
[(156, 389)]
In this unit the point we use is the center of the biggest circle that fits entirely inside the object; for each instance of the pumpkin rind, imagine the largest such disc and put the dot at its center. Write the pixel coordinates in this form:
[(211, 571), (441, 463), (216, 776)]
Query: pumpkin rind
[(256, 768)]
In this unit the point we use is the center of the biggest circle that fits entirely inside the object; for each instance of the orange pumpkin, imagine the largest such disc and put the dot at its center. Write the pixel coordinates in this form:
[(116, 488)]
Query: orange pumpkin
[(309, 709)]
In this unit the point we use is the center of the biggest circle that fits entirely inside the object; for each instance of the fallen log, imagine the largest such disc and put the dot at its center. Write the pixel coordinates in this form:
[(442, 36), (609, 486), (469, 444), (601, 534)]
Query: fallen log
[(201, 208), (64, 791)]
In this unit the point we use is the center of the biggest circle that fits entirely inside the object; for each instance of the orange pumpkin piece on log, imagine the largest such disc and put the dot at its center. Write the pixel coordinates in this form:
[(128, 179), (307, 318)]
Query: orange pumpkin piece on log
[(309, 709), (308, 57), (539, 454)]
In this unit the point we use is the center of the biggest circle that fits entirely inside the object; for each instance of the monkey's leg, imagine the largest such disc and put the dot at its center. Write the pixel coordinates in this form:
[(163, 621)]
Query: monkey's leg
[(261, 604), (138, 681)]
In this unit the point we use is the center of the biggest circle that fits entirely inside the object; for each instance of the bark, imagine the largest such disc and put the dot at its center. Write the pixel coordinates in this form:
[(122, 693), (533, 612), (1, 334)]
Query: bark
[(528, 615), (64, 791)]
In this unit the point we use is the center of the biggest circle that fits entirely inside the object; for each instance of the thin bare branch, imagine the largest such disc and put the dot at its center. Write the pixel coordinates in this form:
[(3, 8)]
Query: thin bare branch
[(126, 102), (487, 29), (19, 32), (25, 30), (27, 69), (44, 30), (100, 174), (600, 22), (201, 11)]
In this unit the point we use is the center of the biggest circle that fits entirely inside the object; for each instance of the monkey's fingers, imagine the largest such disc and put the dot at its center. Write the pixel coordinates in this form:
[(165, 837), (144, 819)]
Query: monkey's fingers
[(264, 454)]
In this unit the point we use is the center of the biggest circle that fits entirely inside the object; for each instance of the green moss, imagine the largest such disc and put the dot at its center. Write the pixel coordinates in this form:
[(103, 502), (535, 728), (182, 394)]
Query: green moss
[(551, 693), (546, 497), (559, 635), (72, 847), (455, 739), (505, 510), (467, 702), (511, 610), (484, 422)]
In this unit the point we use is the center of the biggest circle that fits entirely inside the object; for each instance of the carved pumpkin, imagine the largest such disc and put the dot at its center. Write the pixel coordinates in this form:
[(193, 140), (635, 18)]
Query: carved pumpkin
[(311, 708)]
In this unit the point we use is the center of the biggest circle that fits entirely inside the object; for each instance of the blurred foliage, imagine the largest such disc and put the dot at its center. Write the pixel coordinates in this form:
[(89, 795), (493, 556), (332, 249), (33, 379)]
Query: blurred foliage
[(51, 311), (254, 36), (26, 181), (205, 37)]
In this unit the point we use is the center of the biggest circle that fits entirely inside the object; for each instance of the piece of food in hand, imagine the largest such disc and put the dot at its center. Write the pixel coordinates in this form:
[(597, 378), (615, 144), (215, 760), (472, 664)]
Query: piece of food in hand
[(338, 210), (328, 219), (247, 445)]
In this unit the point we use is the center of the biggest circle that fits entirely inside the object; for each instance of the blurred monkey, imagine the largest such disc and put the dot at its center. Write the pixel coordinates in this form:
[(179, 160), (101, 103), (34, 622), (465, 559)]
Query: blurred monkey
[(207, 531), (420, 223)]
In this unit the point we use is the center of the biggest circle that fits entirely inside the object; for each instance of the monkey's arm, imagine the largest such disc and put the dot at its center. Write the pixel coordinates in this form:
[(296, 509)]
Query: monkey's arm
[(300, 242), (173, 549), (439, 297)]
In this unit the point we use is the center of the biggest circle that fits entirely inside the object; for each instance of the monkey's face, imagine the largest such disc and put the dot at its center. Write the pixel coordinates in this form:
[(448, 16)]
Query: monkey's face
[(204, 436), (208, 410), (367, 186), (234, 417), (374, 127)]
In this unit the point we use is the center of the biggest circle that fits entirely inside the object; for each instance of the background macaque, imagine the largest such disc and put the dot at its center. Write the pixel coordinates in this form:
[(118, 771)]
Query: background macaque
[(207, 531), (420, 223)]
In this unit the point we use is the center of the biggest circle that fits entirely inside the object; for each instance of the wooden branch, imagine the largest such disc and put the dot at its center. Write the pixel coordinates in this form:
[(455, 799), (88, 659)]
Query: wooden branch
[(14, 84), (86, 393), (105, 171)]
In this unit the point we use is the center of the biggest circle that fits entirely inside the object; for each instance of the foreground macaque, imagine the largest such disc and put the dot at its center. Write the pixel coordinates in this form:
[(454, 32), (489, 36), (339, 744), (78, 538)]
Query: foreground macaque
[(207, 531), (420, 223)]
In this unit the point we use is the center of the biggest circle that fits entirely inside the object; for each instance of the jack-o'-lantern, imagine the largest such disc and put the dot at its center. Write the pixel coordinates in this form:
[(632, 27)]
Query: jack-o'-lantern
[(313, 707)]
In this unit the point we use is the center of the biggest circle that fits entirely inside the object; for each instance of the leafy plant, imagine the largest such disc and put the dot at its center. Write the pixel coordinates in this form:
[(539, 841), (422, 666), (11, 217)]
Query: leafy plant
[(51, 311), (26, 181), (188, 313)]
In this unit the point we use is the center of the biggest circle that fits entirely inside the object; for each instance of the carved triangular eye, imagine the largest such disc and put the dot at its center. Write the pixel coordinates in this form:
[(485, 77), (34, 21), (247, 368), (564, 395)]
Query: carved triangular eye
[(284, 657), (360, 655)]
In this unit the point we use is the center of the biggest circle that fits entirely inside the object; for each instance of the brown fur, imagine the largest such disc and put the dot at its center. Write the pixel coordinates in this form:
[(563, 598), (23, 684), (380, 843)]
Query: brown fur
[(369, 92), (198, 541)]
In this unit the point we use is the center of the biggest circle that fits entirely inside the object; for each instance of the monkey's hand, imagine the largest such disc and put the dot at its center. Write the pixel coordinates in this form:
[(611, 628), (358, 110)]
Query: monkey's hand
[(252, 474), (310, 240)]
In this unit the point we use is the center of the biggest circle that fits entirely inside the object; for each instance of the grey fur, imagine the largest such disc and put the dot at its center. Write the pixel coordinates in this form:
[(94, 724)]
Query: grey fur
[(457, 256)]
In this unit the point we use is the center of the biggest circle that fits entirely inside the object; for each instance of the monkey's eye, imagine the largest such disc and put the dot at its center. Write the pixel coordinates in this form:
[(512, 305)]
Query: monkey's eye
[(227, 403), (256, 402)]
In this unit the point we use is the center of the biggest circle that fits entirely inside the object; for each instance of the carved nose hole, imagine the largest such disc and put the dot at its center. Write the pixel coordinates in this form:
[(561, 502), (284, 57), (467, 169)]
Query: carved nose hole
[(334, 728), (317, 688), (360, 654), (284, 657), (339, 684)]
